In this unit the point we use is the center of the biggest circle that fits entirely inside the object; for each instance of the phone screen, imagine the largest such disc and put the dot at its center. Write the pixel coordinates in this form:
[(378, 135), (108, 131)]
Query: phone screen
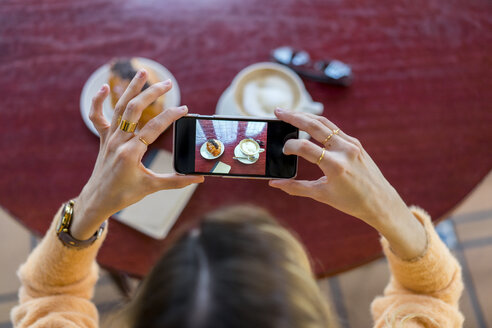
[(233, 146)]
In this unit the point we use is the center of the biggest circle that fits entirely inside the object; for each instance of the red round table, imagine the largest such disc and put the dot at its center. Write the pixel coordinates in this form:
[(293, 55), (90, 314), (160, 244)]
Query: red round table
[(420, 104)]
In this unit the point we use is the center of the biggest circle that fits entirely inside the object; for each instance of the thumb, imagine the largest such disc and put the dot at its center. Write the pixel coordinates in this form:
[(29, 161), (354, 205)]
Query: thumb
[(96, 111), (303, 188), (174, 181)]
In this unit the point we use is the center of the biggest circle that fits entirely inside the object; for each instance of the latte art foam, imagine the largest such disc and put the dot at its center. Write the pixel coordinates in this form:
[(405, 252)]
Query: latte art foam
[(249, 147), (263, 95)]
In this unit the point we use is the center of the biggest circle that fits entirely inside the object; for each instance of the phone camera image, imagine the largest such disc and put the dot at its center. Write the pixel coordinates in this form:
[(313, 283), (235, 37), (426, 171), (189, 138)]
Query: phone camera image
[(233, 147), (230, 147)]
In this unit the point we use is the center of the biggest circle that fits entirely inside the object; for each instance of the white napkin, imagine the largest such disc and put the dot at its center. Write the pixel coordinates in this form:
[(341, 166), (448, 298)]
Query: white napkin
[(156, 214)]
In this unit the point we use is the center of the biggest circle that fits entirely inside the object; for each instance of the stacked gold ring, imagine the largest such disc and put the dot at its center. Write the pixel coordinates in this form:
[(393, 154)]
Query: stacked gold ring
[(321, 157), (331, 135), (145, 142), (127, 126)]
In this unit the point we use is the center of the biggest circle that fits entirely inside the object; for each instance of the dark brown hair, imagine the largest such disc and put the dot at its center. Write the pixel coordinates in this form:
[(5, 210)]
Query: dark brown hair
[(237, 268)]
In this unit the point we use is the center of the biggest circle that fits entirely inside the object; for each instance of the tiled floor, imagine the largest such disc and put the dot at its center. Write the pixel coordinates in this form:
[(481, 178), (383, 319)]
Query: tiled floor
[(468, 232)]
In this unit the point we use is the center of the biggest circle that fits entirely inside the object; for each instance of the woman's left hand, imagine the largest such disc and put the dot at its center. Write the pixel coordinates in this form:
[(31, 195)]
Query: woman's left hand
[(351, 183), (119, 178)]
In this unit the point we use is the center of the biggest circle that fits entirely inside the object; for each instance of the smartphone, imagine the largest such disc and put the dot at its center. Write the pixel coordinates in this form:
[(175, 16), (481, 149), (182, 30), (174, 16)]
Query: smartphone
[(233, 147)]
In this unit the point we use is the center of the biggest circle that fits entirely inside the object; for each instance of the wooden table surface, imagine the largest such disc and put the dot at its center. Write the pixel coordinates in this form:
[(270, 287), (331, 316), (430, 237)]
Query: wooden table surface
[(420, 103)]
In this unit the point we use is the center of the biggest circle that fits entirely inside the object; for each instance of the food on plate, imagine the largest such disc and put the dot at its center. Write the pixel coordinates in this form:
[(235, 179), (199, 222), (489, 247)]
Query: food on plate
[(122, 71), (213, 147)]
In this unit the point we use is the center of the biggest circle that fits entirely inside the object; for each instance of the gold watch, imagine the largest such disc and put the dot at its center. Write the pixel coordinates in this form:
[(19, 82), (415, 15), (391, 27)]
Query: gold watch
[(63, 229)]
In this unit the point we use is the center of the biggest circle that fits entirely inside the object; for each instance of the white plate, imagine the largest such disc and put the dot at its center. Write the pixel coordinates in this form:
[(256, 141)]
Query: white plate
[(239, 153), (205, 154), (101, 76)]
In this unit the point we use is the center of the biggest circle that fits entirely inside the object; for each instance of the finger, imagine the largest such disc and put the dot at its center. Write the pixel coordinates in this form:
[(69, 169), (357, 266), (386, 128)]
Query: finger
[(133, 89), (153, 129), (306, 149), (164, 181), (334, 127), (338, 141), (295, 187), (96, 113), (311, 125), (136, 106), (324, 120)]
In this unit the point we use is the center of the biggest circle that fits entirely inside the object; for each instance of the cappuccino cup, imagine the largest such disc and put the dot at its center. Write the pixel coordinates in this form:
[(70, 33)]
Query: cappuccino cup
[(250, 147), (260, 88)]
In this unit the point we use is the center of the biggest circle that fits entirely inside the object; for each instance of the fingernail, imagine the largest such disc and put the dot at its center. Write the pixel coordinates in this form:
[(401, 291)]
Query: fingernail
[(140, 73), (167, 82), (279, 110), (183, 108)]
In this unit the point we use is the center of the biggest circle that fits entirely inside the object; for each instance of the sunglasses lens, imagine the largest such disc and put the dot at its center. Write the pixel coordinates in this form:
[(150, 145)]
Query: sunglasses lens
[(283, 55), (288, 56), (300, 58), (336, 70)]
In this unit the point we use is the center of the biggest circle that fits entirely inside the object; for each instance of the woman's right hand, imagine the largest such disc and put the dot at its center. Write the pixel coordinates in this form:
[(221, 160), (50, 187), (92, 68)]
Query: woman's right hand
[(119, 178), (352, 182)]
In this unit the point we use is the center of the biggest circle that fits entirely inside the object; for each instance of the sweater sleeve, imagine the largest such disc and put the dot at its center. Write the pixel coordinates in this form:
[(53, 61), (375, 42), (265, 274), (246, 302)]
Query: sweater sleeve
[(423, 292), (57, 284)]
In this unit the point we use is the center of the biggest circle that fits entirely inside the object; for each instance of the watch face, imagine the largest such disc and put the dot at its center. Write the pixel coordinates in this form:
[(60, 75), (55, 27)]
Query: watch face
[(59, 226), (63, 221)]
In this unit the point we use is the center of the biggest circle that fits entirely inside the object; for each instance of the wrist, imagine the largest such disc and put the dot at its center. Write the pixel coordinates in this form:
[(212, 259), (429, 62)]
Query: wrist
[(64, 227), (406, 235), (87, 218), (388, 209), (403, 231)]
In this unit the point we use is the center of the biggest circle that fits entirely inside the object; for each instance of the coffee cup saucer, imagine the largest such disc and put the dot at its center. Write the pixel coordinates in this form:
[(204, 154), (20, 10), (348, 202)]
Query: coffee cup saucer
[(245, 160), (227, 106)]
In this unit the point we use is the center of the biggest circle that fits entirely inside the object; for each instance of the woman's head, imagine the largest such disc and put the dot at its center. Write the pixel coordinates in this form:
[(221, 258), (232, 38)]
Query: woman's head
[(238, 268)]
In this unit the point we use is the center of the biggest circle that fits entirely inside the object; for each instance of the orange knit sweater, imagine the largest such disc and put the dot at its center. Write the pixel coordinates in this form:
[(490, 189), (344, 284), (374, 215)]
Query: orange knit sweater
[(58, 284)]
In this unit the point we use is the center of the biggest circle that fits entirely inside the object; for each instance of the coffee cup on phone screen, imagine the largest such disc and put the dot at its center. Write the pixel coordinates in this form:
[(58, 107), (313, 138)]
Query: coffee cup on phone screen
[(250, 147)]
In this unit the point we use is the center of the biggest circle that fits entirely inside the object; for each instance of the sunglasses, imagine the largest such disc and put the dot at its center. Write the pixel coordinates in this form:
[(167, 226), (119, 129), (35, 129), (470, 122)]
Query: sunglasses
[(326, 71)]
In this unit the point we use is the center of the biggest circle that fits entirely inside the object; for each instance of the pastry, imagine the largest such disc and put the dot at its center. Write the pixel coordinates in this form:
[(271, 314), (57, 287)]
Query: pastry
[(213, 147), (121, 73)]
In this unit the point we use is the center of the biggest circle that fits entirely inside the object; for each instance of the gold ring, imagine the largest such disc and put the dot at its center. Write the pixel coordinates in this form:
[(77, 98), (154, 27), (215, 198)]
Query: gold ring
[(321, 157), (143, 140), (128, 126), (331, 135), (327, 138), (119, 120)]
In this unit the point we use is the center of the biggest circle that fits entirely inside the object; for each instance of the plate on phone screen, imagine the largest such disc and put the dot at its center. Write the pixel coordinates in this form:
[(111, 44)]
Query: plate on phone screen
[(101, 76), (206, 154)]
